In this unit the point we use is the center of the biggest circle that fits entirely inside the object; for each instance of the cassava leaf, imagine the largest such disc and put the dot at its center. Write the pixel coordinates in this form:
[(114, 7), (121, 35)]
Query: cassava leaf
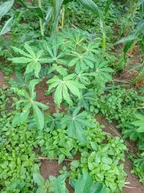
[(63, 87), (32, 85), (58, 95), (38, 115)]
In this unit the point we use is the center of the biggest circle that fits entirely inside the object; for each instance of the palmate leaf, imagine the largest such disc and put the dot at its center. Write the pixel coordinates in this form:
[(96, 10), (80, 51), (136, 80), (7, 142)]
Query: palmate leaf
[(62, 71), (82, 61), (54, 54), (30, 58), (102, 73), (27, 103), (73, 38), (76, 123), (82, 77), (85, 99), (92, 47), (63, 87)]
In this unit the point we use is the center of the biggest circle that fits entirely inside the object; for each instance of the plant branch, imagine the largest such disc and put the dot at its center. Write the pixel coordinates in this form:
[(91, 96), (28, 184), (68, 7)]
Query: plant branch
[(55, 159)]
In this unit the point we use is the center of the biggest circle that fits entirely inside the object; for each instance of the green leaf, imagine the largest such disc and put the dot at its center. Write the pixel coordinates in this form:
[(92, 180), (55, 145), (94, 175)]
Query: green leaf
[(140, 129), (61, 158), (31, 58), (83, 184), (89, 4), (20, 118), (17, 50), (108, 3), (63, 85), (98, 188), (32, 85), (66, 95), (73, 62), (32, 8), (39, 117), (20, 60), (56, 8), (38, 179), (30, 50), (37, 69), (139, 123), (76, 124), (75, 163), (60, 186), (41, 105), (126, 39), (7, 26), (58, 95), (5, 7), (42, 189), (48, 16), (71, 85)]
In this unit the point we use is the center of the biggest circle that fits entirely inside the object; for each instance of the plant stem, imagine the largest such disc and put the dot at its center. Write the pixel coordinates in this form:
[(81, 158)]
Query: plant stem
[(103, 35), (63, 15), (41, 21)]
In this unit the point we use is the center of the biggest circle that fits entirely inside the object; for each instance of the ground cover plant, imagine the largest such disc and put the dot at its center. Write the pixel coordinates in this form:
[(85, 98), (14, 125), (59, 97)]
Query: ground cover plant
[(62, 63)]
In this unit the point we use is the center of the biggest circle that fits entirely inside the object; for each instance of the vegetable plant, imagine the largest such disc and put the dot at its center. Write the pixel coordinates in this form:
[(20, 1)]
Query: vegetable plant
[(27, 102), (31, 59), (63, 86)]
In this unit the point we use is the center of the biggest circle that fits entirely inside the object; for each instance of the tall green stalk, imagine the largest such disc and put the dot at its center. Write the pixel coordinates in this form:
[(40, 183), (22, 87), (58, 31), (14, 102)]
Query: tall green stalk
[(63, 15), (41, 21)]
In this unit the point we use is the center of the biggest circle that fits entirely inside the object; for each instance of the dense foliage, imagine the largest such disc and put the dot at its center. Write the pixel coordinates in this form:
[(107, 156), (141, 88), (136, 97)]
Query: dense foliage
[(72, 48)]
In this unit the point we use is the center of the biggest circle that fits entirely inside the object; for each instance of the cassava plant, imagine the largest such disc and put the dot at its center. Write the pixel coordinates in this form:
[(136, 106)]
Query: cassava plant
[(30, 59), (28, 102)]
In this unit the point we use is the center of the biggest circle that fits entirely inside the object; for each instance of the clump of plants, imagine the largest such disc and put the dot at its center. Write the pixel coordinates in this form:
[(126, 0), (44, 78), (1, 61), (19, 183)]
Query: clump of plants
[(67, 47), (118, 104), (101, 160), (16, 147)]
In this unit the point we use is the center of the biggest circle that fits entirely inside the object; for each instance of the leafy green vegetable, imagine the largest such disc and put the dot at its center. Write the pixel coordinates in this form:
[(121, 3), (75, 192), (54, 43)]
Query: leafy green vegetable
[(63, 85), (76, 124), (32, 59), (27, 101)]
